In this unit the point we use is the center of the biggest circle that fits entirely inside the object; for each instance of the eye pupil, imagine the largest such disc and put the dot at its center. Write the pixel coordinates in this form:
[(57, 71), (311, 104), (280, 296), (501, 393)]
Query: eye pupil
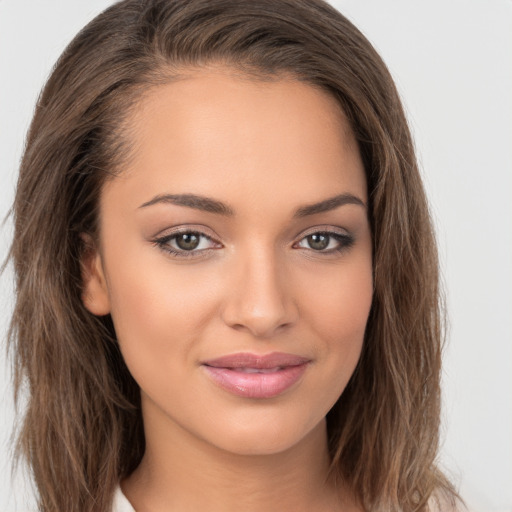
[(318, 241), (187, 241)]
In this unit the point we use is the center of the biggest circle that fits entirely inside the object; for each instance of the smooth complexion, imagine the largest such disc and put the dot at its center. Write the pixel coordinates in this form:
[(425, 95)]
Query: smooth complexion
[(237, 235)]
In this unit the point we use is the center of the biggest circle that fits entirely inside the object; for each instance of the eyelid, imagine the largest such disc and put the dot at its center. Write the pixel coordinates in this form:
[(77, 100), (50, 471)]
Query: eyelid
[(186, 228), (328, 229), (344, 239), (162, 240)]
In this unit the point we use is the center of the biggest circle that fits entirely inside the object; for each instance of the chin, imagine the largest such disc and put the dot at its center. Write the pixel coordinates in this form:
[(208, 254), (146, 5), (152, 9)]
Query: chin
[(265, 438)]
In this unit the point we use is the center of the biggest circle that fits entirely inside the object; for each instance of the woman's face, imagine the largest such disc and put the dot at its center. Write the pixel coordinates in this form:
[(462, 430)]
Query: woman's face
[(235, 259)]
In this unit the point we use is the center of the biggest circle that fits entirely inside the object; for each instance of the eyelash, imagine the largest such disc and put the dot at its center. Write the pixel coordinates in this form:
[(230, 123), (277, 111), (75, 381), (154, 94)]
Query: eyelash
[(163, 243), (345, 242)]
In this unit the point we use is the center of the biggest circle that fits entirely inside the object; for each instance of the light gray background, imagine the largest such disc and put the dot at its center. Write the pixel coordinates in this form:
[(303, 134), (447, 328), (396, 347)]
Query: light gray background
[(452, 60)]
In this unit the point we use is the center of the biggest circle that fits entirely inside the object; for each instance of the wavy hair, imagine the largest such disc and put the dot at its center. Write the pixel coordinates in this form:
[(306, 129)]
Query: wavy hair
[(82, 428)]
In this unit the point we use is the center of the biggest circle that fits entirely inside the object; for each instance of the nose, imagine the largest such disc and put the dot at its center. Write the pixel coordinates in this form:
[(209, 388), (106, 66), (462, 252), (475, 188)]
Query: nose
[(260, 300)]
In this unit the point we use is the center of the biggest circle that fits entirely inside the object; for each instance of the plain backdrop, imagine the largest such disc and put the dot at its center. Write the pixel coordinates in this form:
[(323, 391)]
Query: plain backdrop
[(452, 61)]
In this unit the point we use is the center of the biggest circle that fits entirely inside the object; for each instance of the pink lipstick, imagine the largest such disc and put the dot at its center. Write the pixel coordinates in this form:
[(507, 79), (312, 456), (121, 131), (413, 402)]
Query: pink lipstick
[(256, 376)]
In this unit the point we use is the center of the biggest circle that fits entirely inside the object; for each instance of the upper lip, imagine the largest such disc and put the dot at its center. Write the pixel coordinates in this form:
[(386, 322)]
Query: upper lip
[(259, 361)]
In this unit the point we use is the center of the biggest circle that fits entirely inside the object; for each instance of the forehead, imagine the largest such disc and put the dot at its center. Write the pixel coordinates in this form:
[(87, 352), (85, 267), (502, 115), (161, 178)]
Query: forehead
[(213, 131)]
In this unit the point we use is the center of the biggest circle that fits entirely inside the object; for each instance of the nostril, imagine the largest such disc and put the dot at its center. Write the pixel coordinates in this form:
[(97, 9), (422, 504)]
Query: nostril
[(262, 326)]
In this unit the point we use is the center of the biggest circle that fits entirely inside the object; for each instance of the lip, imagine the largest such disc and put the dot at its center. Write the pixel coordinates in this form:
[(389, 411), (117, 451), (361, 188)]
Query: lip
[(256, 376)]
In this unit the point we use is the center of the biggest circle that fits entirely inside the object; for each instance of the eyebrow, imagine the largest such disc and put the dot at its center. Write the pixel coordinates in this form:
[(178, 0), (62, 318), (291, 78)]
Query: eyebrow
[(210, 205), (192, 201), (328, 205)]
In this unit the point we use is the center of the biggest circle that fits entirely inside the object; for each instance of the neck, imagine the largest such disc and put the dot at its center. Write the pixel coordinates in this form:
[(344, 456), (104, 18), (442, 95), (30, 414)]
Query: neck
[(194, 475)]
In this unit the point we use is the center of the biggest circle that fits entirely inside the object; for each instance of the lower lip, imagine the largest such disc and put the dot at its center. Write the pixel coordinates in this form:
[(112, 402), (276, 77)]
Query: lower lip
[(256, 385)]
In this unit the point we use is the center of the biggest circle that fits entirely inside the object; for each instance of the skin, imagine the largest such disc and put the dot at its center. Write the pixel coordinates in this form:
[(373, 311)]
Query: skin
[(264, 149)]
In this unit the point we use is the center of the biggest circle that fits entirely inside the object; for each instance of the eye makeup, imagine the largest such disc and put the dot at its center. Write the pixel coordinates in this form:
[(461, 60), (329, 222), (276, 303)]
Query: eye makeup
[(189, 242)]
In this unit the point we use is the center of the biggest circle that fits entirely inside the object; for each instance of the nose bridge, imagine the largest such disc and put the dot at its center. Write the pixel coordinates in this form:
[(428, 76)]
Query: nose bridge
[(260, 300)]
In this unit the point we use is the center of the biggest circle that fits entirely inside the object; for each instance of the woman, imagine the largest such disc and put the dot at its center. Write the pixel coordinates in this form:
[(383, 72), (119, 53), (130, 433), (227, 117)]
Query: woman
[(226, 274)]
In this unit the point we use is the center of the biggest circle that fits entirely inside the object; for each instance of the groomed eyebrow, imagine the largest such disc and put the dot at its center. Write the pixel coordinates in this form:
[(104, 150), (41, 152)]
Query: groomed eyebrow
[(210, 205), (192, 201), (328, 204)]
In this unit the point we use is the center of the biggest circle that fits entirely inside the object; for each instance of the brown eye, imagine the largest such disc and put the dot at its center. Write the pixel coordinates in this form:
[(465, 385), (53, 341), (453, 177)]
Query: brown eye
[(318, 241), (187, 244), (187, 241), (326, 242)]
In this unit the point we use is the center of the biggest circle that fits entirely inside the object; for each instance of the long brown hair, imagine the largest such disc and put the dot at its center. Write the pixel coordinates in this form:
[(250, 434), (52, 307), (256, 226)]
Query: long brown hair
[(82, 430)]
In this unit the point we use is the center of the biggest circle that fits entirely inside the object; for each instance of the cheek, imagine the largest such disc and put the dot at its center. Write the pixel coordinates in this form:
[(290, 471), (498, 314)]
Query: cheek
[(341, 297), (338, 313), (159, 311)]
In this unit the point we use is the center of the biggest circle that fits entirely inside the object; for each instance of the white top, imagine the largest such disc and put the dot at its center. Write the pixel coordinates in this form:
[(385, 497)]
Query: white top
[(121, 503)]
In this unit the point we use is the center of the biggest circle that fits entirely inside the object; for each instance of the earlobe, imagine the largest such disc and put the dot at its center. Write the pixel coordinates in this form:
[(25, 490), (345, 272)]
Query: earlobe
[(95, 292)]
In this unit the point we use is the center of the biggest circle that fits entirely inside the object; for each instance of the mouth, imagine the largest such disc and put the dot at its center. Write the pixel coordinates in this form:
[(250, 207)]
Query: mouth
[(256, 376)]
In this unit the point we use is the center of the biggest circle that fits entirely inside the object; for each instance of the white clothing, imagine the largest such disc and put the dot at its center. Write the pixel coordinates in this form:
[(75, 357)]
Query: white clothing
[(121, 503)]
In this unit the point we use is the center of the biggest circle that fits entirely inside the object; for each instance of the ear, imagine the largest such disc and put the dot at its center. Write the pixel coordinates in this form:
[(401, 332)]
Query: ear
[(95, 294)]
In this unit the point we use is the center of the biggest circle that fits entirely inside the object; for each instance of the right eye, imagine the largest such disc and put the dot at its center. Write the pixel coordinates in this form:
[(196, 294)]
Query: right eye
[(186, 244)]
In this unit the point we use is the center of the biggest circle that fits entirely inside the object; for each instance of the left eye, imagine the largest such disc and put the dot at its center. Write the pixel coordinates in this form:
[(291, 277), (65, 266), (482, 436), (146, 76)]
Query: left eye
[(325, 242)]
